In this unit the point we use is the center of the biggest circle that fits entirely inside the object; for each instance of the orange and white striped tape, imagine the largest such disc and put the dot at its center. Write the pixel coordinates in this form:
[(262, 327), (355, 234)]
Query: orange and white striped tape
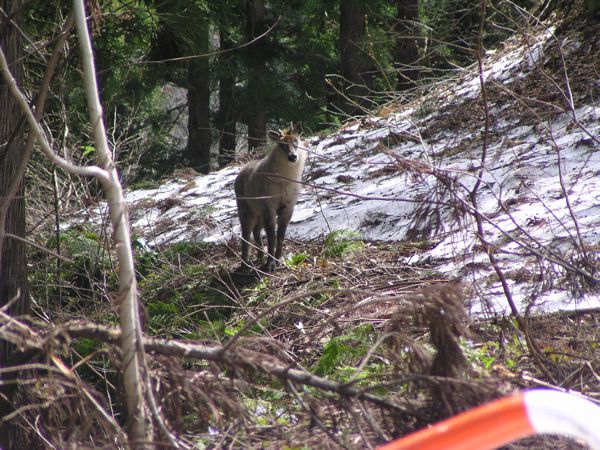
[(497, 423)]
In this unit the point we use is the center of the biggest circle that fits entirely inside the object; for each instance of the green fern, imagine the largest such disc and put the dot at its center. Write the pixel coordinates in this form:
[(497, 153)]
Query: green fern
[(344, 349), (340, 243), (297, 259)]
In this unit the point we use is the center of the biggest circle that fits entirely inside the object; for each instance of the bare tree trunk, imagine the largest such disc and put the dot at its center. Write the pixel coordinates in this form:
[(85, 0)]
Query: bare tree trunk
[(198, 98), (353, 61), (226, 116), (407, 49), (256, 62), (13, 267), (139, 430)]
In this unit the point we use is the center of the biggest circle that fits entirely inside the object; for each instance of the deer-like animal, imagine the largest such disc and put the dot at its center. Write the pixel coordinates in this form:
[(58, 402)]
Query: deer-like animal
[(266, 192)]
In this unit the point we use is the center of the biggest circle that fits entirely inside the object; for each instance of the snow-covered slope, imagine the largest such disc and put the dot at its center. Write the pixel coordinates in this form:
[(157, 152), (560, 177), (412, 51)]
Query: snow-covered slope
[(408, 175)]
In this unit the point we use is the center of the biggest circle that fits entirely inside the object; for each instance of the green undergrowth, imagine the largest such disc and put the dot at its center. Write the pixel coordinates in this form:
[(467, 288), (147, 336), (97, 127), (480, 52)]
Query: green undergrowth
[(73, 282), (488, 353), (189, 291), (341, 243), (297, 259), (341, 354), (184, 295), (335, 331)]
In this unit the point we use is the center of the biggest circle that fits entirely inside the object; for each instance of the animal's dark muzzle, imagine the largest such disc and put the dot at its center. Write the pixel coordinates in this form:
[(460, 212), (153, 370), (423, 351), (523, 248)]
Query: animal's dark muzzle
[(292, 158)]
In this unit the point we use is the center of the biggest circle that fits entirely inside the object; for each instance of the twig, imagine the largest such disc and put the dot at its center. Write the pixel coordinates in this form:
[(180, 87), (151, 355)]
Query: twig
[(72, 375), (278, 305), (461, 204), (566, 94), (314, 417), (218, 52), (373, 423), (365, 360), (235, 357), (543, 383), (39, 247), (532, 344), (579, 243), (40, 102)]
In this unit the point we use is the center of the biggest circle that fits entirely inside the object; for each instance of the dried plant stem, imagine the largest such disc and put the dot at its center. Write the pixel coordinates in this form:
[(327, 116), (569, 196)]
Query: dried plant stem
[(250, 323), (474, 192), (489, 249), (314, 417)]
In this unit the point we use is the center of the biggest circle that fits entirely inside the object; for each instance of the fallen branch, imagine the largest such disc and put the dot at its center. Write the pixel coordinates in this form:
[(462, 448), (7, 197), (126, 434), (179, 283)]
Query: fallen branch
[(236, 356)]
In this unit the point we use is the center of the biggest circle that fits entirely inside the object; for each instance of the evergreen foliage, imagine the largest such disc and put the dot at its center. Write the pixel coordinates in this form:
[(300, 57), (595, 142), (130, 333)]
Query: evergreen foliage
[(147, 50)]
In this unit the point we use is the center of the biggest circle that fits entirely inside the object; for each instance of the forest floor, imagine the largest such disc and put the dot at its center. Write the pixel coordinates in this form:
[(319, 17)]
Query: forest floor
[(358, 316)]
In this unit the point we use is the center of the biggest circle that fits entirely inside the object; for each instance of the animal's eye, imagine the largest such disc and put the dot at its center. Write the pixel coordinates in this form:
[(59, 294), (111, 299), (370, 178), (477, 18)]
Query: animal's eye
[(285, 147)]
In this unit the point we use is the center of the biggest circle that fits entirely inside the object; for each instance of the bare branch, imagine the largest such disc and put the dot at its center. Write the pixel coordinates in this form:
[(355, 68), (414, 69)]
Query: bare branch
[(40, 101), (40, 136), (219, 52)]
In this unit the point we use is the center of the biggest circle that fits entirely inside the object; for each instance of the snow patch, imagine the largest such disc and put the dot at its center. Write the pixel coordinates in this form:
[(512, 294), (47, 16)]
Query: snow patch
[(354, 184)]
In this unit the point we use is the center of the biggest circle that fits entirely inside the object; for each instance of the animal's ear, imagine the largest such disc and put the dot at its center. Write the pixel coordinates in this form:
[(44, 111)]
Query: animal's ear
[(274, 135), (296, 128)]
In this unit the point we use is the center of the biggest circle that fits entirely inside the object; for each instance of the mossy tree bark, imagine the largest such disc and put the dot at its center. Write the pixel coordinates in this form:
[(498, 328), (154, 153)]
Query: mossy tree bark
[(226, 116), (13, 267), (406, 51), (353, 59)]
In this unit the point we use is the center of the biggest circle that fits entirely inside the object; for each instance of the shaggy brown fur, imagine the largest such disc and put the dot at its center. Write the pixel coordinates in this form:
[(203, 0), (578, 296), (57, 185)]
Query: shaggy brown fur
[(266, 192)]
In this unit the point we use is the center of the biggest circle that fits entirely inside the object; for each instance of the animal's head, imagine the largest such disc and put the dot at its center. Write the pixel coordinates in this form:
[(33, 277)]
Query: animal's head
[(288, 140)]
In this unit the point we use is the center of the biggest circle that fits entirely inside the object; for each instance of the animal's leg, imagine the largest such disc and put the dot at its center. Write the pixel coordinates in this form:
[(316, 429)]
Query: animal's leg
[(269, 223), (282, 222), (245, 244), (247, 223), (259, 243)]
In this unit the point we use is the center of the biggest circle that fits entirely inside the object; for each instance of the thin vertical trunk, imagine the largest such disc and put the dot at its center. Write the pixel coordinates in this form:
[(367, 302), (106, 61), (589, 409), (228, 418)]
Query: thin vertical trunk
[(407, 49), (198, 98), (353, 61), (13, 268), (226, 115), (256, 61), (139, 429)]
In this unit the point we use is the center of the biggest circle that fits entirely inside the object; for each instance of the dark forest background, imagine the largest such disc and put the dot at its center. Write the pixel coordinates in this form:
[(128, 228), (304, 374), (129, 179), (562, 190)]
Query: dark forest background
[(246, 66)]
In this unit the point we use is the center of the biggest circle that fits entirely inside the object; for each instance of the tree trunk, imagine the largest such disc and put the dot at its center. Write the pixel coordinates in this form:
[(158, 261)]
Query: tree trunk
[(353, 61), (13, 268), (139, 429), (256, 61), (226, 115), (198, 99), (407, 50), (465, 19)]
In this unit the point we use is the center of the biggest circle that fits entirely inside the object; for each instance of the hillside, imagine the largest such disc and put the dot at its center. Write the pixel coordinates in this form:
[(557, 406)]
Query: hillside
[(444, 252), (408, 174)]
